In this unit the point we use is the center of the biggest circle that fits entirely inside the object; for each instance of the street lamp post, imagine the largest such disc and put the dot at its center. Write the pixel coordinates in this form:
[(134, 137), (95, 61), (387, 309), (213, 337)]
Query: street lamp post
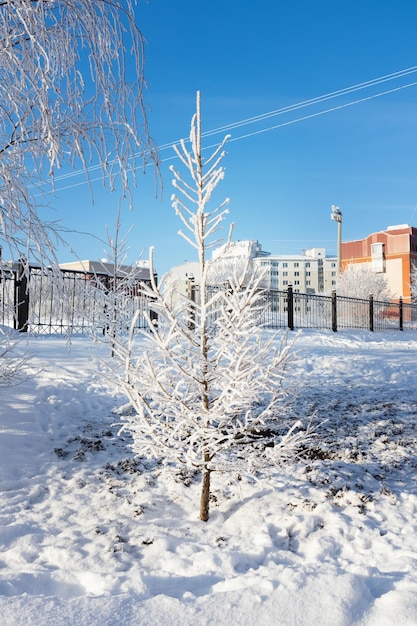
[(336, 216)]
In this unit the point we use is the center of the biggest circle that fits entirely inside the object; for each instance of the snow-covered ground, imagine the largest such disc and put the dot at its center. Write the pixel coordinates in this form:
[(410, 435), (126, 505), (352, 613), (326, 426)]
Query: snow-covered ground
[(91, 536)]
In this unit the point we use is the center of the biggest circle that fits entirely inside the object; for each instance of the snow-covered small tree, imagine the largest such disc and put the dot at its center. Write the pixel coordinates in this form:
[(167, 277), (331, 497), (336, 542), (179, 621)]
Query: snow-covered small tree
[(359, 281), (207, 383), (13, 363), (117, 289)]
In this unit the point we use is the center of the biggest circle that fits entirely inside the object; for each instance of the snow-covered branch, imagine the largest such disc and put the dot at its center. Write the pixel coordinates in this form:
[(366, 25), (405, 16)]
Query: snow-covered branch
[(71, 94)]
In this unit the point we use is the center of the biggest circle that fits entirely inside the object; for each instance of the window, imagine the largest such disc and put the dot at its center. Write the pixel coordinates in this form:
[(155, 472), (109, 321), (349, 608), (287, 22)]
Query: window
[(285, 273), (296, 265), (285, 265), (307, 264), (296, 282), (285, 282), (378, 257), (308, 273), (308, 282), (296, 273)]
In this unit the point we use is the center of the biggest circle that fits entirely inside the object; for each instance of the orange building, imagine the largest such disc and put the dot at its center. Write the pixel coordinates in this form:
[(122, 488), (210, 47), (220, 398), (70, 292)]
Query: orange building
[(392, 252)]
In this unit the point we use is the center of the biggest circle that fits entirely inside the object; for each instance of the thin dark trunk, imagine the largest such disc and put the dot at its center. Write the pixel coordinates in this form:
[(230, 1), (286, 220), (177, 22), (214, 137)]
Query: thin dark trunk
[(205, 492)]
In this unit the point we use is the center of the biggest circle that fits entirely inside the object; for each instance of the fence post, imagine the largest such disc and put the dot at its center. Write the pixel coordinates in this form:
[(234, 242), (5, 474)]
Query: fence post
[(371, 312), (401, 313), (290, 304), (191, 297), (153, 315), (105, 280), (334, 311), (21, 298)]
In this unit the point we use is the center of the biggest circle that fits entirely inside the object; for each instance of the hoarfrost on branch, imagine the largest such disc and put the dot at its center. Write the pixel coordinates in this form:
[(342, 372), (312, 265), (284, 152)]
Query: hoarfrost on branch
[(71, 93)]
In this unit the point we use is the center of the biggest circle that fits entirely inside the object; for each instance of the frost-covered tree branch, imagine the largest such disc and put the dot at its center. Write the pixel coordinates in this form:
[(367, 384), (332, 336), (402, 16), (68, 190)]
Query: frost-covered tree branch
[(71, 94)]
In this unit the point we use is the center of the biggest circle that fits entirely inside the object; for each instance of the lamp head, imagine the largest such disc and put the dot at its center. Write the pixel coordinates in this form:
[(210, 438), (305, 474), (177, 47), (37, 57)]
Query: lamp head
[(336, 214)]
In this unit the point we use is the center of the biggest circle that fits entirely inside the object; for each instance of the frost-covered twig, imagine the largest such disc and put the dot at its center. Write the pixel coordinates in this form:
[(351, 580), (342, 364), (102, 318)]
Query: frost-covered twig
[(65, 100)]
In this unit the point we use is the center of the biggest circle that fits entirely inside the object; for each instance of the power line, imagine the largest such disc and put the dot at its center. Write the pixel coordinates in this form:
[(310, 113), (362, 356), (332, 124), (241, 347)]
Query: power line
[(275, 113), (336, 108), (316, 100)]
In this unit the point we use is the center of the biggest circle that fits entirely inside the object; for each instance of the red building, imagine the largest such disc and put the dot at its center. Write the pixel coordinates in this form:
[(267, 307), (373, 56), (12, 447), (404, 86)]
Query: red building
[(392, 252)]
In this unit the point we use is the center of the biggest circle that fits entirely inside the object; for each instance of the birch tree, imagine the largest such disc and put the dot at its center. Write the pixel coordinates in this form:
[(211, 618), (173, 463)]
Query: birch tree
[(71, 94), (207, 382)]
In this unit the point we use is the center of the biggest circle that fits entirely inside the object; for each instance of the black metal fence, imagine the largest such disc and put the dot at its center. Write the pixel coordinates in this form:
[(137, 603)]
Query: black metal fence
[(47, 301), (288, 309), (41, 300)]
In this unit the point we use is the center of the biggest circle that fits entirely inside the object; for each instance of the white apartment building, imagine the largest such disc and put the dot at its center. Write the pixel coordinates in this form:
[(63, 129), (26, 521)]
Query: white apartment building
[(308, 272)]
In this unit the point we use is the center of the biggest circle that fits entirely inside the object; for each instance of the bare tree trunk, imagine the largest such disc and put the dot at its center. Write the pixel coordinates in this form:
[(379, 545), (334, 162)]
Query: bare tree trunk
[(205, 491)]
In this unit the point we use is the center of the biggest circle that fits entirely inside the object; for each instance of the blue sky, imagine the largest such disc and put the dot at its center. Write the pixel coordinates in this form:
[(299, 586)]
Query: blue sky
[(250, 58)]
